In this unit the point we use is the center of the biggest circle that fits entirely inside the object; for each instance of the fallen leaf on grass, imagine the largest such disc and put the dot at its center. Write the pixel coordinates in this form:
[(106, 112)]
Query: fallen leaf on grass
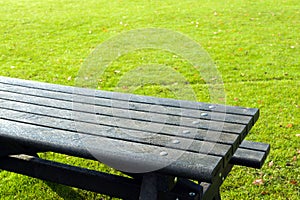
[(271, 163), (264, 192), (104, 30), (293, 182), (124, 87), (294, 158), (258, 182), (260, 101), (289, 125)]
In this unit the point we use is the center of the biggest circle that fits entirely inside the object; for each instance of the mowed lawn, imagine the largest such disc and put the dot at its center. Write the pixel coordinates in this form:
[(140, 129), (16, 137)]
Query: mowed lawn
[(255, 45)]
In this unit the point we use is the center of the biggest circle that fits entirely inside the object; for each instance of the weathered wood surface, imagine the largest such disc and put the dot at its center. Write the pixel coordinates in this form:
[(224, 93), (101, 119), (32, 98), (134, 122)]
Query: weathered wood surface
[(66, 119)]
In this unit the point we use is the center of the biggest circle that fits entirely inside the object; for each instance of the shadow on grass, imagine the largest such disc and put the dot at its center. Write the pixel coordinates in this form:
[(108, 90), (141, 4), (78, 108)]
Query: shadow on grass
[(64, 192)]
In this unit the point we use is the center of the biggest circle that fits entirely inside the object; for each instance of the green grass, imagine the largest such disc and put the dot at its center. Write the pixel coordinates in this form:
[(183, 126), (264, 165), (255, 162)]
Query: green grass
[(255, 45)]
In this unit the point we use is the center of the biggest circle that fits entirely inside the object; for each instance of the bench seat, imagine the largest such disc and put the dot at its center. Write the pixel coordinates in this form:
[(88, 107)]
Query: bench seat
[(251, 154), (110, 184)]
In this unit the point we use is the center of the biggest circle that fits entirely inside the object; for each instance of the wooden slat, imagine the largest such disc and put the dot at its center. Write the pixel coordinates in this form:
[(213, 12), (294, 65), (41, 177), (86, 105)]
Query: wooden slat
[(134, 98), (165, 118), (128, 114), (189, 165), (119, 134), (257, 146), (121, 105), (248, 158), (251, 154), (198, 134)]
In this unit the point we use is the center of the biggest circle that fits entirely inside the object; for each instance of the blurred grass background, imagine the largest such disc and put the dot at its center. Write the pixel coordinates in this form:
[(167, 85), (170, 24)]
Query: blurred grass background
[(255, 45)]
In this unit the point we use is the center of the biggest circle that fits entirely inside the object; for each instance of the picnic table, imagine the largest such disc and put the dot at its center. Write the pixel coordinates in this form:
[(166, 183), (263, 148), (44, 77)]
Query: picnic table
[(160, 144)]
